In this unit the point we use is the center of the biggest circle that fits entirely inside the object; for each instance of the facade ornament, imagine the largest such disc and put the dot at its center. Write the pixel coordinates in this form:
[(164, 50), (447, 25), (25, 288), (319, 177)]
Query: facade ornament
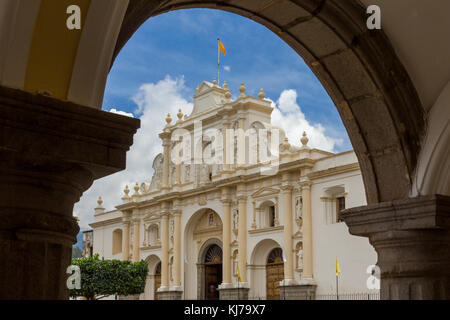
[(214, 82), (227, 93), (180, 115), (136, 189), (197, 89), (168, 119), (286, 145), (304, 140), (100, 202), (261, 94), (99, 209), (242, 90), (126, 197)]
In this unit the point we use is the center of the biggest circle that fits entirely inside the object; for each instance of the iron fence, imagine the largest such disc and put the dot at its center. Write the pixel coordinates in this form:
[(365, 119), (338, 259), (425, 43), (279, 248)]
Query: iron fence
[(343, 296)]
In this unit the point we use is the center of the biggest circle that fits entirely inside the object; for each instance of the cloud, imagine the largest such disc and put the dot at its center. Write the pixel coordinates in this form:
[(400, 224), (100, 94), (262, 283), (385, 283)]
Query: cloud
[(288, 115), (154, 101), (227, 68), (123, 113)]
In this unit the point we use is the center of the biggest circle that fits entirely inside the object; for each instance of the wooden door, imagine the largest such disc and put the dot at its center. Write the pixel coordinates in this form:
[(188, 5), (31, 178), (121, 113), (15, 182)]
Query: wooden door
[(213, 277), (274, 274), (157, 280)]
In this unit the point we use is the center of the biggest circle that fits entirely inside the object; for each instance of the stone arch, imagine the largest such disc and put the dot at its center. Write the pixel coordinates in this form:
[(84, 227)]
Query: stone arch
[(360, 70), (258, 264), (152, 261), (201, 294)]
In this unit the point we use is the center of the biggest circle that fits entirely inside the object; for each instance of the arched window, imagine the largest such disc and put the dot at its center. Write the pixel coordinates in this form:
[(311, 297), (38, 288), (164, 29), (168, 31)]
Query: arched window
[(117, 241), (213, 255)]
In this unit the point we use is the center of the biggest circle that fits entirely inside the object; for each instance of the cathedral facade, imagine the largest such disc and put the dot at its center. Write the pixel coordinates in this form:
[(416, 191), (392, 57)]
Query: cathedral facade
[(235, 211)]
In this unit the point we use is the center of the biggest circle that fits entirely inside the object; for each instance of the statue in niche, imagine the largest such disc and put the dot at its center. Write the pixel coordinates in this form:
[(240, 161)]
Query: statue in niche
[(298, 208), (172, 174), (235, 219), (187, 173), (299, 256)]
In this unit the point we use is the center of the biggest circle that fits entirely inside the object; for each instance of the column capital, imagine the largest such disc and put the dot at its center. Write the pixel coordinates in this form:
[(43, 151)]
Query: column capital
[(411, 237), (286, 187), (165, 137), (305, 184)]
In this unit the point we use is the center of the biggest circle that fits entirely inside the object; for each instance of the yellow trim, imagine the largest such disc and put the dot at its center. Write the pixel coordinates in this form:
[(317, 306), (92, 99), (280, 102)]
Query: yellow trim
[(54, 48)]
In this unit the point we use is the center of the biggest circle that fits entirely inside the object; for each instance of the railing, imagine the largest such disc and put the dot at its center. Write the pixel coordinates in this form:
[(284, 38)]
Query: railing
[(349, 296), (343, 296)]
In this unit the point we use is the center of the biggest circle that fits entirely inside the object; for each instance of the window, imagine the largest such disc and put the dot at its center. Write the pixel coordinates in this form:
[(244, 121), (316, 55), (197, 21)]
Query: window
[(340, 205), (272, 216)]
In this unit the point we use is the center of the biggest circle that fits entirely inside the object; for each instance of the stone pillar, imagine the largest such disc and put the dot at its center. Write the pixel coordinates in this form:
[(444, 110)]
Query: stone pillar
[(126, 237), (51, 152), (242, 235), (226, 165), (165, 136), (177, 249), (288, 232), (136, 239), (307, 230), (165, 251), (412, 240)]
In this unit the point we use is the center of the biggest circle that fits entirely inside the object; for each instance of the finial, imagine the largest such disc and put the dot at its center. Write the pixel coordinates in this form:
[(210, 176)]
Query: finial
[(100, 201), (304, 139), (168, 119), (214, 81), (227, 92), (180, 115), (126, 190), (242, 89), (261, 94), (197, 89), (286, 145), (136, 189)]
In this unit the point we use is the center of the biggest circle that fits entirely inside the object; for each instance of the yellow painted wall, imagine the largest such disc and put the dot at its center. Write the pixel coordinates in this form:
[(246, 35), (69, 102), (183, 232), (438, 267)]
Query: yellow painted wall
[(54, 48)]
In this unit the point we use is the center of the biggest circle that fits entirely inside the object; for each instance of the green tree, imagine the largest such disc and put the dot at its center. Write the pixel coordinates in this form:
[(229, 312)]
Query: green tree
[(101, 278)]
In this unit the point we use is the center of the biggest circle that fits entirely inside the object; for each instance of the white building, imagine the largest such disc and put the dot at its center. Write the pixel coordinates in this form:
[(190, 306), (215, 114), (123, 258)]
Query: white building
[(192, 221)]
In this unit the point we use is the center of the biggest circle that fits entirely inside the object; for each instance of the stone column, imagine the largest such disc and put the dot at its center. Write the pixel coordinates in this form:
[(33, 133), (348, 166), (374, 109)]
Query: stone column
[(307, 230), (165, 251), (51, 152), (226, 241), (226, 165), (288, 232), (136, 239), (412, 240), (242, 234), (165, 137), (177, 249), (126, 237)]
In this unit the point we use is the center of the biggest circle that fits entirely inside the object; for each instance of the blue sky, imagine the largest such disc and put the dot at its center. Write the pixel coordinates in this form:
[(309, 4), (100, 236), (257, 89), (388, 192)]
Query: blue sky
[(183, 43), (157, 72)]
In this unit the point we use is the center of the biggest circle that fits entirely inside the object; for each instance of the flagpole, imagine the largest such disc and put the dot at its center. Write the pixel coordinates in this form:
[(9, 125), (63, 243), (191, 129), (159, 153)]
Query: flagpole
[(218, 62), (337, 287)]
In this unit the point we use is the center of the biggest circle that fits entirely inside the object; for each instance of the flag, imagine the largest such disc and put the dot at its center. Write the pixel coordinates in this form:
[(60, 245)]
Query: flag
[(338, 269), (222, 48), (239, 275)]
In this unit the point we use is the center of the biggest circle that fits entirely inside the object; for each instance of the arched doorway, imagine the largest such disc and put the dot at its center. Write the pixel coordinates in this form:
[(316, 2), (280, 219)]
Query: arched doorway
[(157, 280), (213, 272), (274, 274)]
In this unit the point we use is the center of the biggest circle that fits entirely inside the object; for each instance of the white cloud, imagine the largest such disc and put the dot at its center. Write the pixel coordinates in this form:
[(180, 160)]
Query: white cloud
[(288, 115), (227, 68), (154, 102), (123, 113)]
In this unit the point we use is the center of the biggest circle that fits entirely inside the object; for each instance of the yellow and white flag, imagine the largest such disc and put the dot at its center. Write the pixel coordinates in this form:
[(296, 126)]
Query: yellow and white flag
[(239, 274), (338, 269)]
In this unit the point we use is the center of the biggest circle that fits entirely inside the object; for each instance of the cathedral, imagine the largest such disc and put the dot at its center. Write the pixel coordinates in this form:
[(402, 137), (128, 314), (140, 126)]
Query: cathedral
[(235, 210)]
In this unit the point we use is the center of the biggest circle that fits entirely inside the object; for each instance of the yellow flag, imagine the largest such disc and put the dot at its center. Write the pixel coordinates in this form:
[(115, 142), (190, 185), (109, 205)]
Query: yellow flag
[(239, 275), (222, 48), (338, 270)]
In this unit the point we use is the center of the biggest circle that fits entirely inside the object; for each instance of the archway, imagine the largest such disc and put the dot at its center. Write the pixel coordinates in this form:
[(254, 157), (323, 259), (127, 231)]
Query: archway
[(213, 272), (358, 67), (266, 250), (153, 281), (209, 269)]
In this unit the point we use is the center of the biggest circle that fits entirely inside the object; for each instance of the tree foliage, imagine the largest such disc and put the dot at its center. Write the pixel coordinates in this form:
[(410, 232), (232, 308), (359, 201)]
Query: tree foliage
[(101, 278)]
